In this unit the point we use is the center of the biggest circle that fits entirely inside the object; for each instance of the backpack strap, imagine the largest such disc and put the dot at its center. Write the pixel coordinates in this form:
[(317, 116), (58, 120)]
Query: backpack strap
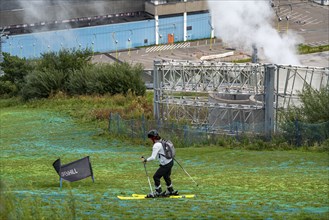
[(162, 141)]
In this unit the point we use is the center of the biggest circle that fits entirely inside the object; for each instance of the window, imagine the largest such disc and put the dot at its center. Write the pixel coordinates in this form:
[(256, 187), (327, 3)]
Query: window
[(189, 28)]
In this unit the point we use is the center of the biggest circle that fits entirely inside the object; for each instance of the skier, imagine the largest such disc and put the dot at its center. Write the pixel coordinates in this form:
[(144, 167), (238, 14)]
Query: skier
[(165, 166)]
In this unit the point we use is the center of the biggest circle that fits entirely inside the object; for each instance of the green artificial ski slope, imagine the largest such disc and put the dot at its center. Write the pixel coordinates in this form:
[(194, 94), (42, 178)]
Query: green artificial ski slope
[(233, 184)]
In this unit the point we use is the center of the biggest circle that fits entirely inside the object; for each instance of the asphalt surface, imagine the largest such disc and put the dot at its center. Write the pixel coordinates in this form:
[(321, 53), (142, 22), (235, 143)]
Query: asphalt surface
[(309, 20), (306, 18)]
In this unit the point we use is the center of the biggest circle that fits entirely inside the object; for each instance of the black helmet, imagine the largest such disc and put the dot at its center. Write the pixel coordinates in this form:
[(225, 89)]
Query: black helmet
[(153, 133)]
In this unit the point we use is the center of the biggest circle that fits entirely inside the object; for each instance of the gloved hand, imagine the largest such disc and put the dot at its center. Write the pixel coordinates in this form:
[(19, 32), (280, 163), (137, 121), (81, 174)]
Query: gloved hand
[(143, 159)]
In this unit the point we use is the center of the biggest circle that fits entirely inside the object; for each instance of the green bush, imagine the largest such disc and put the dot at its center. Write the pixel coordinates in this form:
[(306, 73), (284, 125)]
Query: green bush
[(315, 104), (308, 124), (305, 49), (7, 89), (79, 80), (65, 60), (41, 84), (15, 70), (107, 79)]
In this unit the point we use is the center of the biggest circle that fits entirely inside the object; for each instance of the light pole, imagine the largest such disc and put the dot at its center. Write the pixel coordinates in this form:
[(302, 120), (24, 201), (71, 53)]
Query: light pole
[(288, 17), (277, 11), (21, 51), (79, 44), (279, 19), (173, 39), (116, 49), (34, 50), (93, 44), (160, 36), (211, 34), (116, 43), (129, 46), (129, 42)]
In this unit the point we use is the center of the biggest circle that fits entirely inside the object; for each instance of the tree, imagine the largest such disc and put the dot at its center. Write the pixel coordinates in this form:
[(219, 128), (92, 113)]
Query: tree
[(310, 122), (15, 70), (315, 106), (65, 60)]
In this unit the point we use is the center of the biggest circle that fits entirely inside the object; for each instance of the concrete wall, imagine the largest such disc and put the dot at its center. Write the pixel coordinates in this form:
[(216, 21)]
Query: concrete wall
[(322, 2), (175, 7)]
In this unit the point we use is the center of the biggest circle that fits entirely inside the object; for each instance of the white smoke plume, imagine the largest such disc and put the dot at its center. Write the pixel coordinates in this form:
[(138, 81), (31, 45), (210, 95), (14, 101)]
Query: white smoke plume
[(242, 23), (52, 10), (59, 12)]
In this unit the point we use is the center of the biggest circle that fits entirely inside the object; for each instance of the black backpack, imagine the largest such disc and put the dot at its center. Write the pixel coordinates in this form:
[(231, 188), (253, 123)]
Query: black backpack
[(169, 149)]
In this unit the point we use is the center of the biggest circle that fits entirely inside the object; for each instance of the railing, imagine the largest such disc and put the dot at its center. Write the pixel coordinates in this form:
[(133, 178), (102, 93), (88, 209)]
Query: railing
[(184, 134)]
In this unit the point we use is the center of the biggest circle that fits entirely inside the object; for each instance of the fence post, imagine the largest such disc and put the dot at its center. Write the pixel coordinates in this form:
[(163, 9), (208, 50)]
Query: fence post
[(237, 130), (186, 134), (158, 125), (143, 128), (118, 123), (110, 120), (132, 128), (269, 100), (156, 87), (298, 141)]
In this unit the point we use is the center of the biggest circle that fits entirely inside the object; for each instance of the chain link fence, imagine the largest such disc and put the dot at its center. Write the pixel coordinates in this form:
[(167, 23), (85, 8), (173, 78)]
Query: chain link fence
[(296, 133)]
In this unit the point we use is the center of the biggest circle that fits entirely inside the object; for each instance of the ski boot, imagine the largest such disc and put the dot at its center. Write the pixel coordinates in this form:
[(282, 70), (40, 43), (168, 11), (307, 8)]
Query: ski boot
[(157, 193), (171, 192)]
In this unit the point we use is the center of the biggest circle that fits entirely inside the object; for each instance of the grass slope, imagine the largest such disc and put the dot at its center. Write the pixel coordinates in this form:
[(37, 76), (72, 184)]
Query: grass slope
[(233, 184)]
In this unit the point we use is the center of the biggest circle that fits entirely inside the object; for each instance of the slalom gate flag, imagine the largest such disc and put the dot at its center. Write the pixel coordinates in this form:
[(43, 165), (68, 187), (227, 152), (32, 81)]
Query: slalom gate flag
[(74, 171)]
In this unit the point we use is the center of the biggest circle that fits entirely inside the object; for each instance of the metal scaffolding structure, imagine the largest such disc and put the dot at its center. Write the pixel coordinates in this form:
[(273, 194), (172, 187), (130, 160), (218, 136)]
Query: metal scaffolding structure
[(227, 97)]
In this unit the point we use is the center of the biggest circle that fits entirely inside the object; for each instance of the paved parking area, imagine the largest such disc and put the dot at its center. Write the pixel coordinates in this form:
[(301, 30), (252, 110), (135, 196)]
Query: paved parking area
[(192, 51), (307, 19)]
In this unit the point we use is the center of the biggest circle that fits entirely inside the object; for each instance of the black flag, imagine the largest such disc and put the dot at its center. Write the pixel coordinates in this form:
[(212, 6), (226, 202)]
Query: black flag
[(57, 165), (75, 170)]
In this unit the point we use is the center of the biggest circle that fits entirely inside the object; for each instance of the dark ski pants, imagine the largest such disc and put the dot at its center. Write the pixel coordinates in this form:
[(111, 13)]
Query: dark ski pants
[(165, 172)]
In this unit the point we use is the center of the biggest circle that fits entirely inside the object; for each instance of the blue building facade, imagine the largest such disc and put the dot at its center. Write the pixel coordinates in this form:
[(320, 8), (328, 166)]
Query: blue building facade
[(109, 38)]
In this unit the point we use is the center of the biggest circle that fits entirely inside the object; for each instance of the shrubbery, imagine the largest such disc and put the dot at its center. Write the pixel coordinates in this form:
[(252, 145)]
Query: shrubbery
[(7, 88), (309, 123), (107, 79), (69, 72), (15, 69), (42, 83), (65, 60), (305, 49)]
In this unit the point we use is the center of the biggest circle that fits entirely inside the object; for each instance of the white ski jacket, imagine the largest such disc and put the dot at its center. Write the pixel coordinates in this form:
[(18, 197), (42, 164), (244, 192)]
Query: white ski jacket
[(156, 151)]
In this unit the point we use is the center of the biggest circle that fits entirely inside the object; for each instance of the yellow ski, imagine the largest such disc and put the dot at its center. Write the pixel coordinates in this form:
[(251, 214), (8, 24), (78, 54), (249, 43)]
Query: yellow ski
[(142, 196), (130, 197), (188, 196)]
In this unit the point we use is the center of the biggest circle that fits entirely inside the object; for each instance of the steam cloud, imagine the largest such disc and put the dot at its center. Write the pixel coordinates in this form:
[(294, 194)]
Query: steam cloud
[(241, 24), (34, 10), (39, 11)]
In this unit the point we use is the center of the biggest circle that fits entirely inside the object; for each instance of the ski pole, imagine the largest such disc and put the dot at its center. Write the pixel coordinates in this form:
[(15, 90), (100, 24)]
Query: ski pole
[(186, 173), (148, 178)]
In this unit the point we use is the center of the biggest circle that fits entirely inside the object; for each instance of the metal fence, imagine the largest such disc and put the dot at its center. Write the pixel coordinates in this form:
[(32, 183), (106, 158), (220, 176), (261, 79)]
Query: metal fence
[(216, 93), (296, 133)]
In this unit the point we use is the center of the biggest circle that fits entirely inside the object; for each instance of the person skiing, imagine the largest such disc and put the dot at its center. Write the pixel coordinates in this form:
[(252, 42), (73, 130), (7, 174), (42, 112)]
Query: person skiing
[(164, 169)]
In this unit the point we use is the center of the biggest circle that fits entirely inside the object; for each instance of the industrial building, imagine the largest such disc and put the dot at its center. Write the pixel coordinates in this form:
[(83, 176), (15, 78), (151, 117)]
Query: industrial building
[(31, 28)]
